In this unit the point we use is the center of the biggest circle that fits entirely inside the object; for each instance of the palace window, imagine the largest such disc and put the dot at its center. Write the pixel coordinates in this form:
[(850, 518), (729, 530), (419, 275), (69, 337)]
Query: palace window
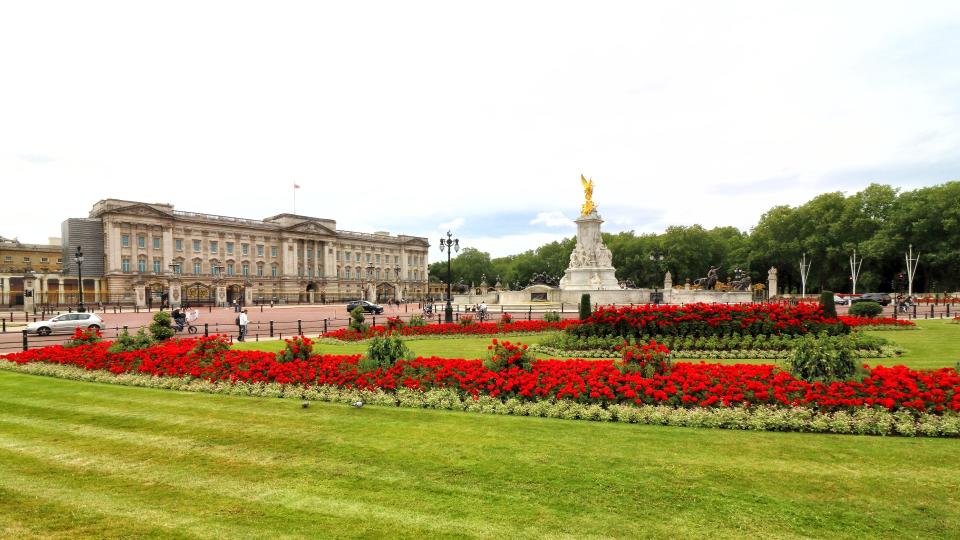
[(260, 269), (246, 269), (273, 270), (368, 257), (156, 266), (378, 258), (346, 273), (125, 264), (197, 268), (196, 246), (141, 265), (178, 244), (156, 242), (245, 249), (214, 246), (44, 259), (259, 250), (125, 240), (273, 251), (141, 241), (229, 269), (378, 273), (358, 256), (229, 248)]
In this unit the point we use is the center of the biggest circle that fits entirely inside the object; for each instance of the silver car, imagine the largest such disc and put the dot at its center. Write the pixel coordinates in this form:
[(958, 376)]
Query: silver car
[(66, 323)]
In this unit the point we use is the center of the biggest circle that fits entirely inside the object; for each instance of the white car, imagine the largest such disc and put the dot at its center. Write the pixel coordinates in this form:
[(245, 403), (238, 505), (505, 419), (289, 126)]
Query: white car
[(66, 323), (840, 300)]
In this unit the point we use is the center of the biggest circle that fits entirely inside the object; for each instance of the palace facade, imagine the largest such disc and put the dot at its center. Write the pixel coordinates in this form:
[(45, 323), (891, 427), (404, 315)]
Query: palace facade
[(153, 254)]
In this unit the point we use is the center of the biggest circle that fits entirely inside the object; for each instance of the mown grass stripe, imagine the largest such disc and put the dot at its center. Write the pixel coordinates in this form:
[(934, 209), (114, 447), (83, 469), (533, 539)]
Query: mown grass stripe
[(508, 475)]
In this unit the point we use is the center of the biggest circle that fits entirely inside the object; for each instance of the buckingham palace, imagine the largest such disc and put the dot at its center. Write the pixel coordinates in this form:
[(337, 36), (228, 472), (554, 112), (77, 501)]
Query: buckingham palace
[(150, 254)]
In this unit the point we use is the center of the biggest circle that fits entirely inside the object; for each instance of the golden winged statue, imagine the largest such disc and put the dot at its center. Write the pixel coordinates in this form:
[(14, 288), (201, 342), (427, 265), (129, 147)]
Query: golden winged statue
[(588, 206)]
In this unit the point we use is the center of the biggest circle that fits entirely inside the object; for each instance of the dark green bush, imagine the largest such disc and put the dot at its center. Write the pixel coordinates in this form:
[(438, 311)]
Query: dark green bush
[(162, 326), (585, 309), (356, 320), (828, 305), (866, 309), (127, 343), (384, 352), (824, 359)]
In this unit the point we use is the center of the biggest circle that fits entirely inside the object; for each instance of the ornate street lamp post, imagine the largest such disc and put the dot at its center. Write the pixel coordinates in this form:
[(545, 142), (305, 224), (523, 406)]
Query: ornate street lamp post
[(397, 271), (78, 258), (450, 244)]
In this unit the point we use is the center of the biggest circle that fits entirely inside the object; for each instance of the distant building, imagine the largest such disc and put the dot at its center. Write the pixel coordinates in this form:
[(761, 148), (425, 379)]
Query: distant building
[(44, 262), (150, 253)]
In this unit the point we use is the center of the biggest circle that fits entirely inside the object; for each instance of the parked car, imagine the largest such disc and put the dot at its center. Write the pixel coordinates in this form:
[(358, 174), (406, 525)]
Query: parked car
[(881, 298), (840, 300), (368, 307), (66, 323)]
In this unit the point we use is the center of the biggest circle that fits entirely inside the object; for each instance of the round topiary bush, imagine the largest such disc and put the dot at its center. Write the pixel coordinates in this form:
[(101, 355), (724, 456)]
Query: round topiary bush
[(162, 326), (866, 309)]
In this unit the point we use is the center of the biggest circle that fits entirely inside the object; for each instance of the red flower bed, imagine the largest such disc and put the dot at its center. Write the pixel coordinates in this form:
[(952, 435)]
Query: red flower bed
[(708, 320), (588, 381), (449, 329), (875, 321)]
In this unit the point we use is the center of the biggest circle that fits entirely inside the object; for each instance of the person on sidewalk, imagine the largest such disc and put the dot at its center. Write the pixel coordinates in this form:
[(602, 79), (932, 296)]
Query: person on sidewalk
[(242, 322)]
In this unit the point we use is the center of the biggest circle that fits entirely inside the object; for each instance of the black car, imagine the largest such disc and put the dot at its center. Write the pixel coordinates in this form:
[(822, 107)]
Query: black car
[(368, 307), (881, 298)]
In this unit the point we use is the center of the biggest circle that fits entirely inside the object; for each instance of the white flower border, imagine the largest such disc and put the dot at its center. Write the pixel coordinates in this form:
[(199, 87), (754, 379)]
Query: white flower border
[(800, 419)]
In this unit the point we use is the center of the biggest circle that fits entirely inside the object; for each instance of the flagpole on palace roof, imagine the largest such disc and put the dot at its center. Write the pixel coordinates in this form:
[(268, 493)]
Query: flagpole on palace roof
[(295, 188)]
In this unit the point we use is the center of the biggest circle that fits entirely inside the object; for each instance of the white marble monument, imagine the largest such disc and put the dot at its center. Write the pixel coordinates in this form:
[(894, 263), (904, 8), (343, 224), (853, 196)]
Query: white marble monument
[(591, 266)]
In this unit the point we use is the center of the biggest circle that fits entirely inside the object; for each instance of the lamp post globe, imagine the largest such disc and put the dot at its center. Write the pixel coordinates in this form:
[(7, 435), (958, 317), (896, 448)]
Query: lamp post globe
[(78, 258), (450, 244)]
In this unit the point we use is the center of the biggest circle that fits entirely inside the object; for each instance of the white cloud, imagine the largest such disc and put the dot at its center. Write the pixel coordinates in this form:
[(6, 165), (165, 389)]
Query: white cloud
[(554, 218), (499, 246), (438, 110), (451, 225)]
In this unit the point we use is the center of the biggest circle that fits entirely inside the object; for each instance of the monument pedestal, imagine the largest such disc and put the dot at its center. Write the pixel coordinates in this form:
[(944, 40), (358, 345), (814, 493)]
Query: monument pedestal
[(591, 266)]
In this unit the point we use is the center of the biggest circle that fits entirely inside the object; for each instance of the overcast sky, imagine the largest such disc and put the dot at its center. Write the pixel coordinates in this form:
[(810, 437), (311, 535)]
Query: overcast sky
[(413, 117)]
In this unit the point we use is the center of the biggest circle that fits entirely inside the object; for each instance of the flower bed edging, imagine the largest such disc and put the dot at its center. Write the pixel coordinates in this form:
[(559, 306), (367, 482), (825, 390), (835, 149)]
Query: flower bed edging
[(797, 419), (703, 354)]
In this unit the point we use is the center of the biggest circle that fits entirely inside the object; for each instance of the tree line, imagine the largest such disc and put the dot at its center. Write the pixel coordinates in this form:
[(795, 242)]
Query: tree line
[(880, 222)]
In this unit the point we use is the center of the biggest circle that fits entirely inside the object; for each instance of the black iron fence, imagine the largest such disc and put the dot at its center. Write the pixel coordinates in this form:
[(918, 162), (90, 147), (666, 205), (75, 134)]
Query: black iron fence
[(14, 338)]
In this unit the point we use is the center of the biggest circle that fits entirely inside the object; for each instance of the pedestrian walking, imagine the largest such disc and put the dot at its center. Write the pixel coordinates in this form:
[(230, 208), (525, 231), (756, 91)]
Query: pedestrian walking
[(242, 322)]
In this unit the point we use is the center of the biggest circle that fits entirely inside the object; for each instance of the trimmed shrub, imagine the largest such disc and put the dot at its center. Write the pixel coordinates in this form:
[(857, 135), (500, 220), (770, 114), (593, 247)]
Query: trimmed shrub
[(828, 305), (648, 360), (503, 354), (551, 316), (585, 307), (297, 348), (83, 336), (866, 309), (824, 359), (127, 343), (416, 320), (383, 353), (162, 326), (356, 320)]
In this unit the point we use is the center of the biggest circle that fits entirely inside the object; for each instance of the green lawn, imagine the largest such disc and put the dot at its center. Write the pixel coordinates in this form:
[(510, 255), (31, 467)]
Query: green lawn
[(934, 344), (92, 460), (444, 347)]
